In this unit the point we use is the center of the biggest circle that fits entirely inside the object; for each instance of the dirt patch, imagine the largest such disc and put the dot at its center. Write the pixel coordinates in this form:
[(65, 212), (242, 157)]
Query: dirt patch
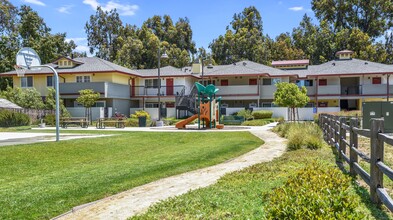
[(138, 199)]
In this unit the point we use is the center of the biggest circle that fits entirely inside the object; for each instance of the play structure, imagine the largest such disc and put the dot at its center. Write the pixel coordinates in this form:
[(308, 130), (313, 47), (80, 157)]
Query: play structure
[(208, 111)]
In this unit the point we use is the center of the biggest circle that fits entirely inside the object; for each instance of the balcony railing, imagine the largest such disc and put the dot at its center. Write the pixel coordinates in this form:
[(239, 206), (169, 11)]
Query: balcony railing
[(238, 90), (351, 90), (106, 89), (153, 91)]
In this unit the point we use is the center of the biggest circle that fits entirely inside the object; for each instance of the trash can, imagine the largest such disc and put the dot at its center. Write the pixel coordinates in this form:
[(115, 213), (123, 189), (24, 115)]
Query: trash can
[(142, 121)]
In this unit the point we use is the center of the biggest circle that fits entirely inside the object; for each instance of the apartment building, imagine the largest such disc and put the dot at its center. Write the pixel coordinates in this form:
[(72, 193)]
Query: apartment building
[(343, 83)]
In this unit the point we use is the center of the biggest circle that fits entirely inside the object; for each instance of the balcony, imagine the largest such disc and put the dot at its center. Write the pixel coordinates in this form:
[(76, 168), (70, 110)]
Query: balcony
[(153, 91), (329, 90), (237, 90), (351, 90), (106, 89), (374, 89), (267, 91)]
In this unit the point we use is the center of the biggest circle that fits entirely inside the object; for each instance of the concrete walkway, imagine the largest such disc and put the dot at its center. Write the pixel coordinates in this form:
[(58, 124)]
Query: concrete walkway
[(138, 199)]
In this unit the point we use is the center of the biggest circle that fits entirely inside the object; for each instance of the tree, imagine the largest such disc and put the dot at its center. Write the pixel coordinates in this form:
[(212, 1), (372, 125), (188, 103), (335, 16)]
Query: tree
[(291, 96), (50, 103), (88, 98), (25, 98), (243, 39), (373, 17), (102, 30)]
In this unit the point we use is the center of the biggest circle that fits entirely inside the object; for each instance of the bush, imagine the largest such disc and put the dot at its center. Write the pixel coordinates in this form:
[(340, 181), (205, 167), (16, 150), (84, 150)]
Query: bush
[(50, 119), (13, 119), (315, 192), (245, 113), (134, 122), (299, 135), (258, 122), (140, 113), (262, 114)]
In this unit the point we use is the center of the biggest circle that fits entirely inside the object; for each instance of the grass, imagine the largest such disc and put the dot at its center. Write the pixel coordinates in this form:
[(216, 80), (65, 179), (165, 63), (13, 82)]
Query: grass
[(15, 129), (40, 181), (245, 194)]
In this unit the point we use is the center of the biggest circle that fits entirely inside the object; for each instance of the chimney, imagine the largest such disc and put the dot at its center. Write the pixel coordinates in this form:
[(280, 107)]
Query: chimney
[(344, 54), (196, 68)]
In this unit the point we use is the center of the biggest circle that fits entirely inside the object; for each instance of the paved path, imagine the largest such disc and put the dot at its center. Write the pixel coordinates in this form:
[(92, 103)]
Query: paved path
[(138, 199)]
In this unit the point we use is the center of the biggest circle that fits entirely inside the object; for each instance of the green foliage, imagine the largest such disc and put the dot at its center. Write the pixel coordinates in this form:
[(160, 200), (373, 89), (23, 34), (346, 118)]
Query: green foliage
[(88, 97), (13, 119), (140, 113), (50, 119), (232, 119), (50, 103), (262, 114), (300, 135), (315, 192), (258, 122), (25, 98), (245, 113), (291, 96)]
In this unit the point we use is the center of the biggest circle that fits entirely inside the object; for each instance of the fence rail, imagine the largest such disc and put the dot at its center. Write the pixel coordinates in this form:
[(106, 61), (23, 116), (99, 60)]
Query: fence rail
[(336, 130)]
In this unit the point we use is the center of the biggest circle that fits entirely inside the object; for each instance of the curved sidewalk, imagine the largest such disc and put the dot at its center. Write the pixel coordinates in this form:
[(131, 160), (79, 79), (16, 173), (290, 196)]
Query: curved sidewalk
[(138, 199)]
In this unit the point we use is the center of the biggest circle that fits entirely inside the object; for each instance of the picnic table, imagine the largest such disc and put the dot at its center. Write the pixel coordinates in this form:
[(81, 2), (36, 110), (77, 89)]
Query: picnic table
[(81, 121), (117, 122)]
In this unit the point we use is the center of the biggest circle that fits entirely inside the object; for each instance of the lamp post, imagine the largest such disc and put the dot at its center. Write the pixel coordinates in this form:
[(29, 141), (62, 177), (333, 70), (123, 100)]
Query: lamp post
[(159, 57), (209, 66)]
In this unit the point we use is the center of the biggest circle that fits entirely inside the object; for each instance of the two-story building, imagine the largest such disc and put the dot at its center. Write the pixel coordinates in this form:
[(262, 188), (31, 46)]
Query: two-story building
[(342, 83)]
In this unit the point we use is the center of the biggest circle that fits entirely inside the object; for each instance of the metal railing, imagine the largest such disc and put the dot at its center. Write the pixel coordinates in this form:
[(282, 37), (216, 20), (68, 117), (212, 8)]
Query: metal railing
[(153, 90)]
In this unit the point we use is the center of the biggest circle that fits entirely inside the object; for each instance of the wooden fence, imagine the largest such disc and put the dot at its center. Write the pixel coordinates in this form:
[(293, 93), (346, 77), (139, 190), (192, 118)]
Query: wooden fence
[(335, 130), (34, 114)]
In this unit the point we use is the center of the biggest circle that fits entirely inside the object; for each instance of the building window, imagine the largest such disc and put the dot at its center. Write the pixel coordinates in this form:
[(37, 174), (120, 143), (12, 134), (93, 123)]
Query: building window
[(151, 105), (377, 80), (100, 104), (83, 79), (26, 81), (269, 81), (151, 83), (49, 81), (252, 82), (224, 82), (307, 82), (322, 82)]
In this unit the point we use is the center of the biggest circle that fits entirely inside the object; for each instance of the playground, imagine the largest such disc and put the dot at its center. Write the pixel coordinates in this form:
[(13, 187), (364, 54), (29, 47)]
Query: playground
[(208, 109)]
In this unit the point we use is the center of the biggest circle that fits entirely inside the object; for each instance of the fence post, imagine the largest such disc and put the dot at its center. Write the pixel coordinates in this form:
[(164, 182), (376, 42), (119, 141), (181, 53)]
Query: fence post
[(330, 130), (353, 142), (337, 134), (377, 150), (343, 136)]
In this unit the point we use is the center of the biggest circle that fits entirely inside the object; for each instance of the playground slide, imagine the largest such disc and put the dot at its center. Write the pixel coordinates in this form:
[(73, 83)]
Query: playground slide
[(183, 123)]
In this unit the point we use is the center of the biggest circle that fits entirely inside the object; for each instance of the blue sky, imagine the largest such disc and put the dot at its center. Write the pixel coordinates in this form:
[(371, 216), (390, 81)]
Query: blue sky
[(208, 18)]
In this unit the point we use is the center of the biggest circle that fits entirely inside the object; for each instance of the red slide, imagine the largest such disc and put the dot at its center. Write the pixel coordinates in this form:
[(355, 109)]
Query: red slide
[(183, 123)]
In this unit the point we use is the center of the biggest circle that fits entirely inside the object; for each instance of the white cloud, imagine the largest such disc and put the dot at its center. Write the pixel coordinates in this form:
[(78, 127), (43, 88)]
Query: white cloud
[(81, 43), (35, 2), (298, 8), (65, 9), (123, 9)]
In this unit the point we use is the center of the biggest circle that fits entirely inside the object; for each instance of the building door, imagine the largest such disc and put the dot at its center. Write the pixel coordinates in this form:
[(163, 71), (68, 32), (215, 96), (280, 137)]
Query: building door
[(169, 86)]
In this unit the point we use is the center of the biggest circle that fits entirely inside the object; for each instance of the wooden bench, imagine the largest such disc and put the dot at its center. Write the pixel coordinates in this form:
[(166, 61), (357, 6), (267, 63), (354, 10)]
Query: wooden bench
[(81, 121), (118, 122)]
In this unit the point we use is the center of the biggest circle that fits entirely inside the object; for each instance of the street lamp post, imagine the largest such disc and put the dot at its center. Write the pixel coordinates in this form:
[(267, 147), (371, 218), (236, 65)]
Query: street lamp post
[(159, 57), (209, 66)]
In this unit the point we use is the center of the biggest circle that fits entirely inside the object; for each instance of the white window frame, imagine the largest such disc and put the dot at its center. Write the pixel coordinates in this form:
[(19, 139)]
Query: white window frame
[(24, 80), (82, 78)]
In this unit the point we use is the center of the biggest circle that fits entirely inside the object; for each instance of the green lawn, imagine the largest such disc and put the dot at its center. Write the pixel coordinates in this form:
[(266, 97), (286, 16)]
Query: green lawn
[(245, 194), (40, 181)]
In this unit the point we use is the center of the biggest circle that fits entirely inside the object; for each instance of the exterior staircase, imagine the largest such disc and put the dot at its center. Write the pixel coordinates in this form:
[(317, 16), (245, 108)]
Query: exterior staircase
[(187, 102)]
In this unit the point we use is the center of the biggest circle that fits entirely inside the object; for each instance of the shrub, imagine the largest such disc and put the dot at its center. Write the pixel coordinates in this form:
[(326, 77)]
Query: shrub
[(140, 113), (315, 192), (262, 114), (12, 119), (258, 122), (50, 119), (134, 122), (245, 113), (300, 135)]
